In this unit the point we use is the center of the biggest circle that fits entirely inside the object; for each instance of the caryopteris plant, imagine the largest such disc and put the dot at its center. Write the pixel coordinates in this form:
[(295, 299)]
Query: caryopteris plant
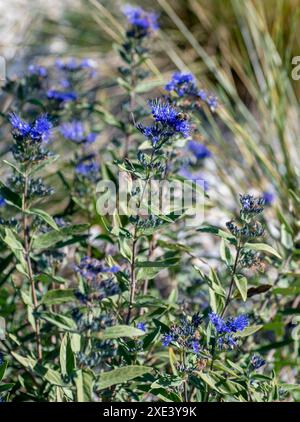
[(108, 292)]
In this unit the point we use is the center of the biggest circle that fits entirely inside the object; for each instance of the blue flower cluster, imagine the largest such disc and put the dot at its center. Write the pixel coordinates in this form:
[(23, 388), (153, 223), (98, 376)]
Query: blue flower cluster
[(99, 278), (37, 70), (30, 138), (251, 206), (37, 131), (226, 328), (142, 23), (75, 132), (73, 65), (200, 151), (168, 123), (184, 85), (71, 74), (257, 362), (61, 96), (87, 167), (268, 197), (91, 268), (2, 202), (185, 334), (141, 326), (166, 114)]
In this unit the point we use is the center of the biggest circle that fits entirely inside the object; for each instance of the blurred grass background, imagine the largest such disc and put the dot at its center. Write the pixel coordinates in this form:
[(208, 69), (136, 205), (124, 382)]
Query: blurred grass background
[(240, 49)]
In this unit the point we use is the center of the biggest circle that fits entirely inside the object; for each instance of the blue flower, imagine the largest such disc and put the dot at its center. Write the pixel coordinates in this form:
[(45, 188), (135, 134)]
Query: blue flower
[(202, 94), (218, 323), (87, 167), (90, 268), (167, 339), (154, 133), (182, 84), (2, 202), (238, 324), (166, 114), (38, 130), (72, 65), (114, 269), (209, 99), (268, 197), (61, 96), (225, 328), (196, 346), (230, 325), (251, 205), (68, 65), (87, 64), (143, 23), (257, 362), (168, 123), (75, 132), (19, 125), (36, 70), (141, 326), (99, 284), (65, 83), (1, 358), (200, 151), (212, 102), (41, 128)]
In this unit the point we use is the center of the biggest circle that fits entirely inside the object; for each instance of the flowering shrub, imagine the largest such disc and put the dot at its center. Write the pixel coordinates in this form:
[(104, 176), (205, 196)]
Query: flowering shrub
[(126, 306)]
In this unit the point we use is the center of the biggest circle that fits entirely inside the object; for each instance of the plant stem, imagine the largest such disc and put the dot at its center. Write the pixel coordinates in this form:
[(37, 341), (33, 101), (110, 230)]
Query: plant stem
[(26, 229), (213, 355), (185, 384), (133, 279), (228, 299), (133, 254)]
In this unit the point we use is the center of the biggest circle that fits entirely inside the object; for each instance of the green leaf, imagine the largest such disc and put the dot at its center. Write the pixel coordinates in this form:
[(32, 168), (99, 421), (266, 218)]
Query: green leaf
[(13, 166), (147, 273), (218, 232), (56, 297), (48, 374), (10, 196), (225, 253), (248, 331), (60, 321), (125, 249), (66, 356), (44, 216), (49, 239), (263, 248), (287, 291), (241, 284), (2, 370), (16, 247), (118, 331), (157, 264), (286, 238), (121, 375), (174, 246), (84, 385), (6, 387)]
